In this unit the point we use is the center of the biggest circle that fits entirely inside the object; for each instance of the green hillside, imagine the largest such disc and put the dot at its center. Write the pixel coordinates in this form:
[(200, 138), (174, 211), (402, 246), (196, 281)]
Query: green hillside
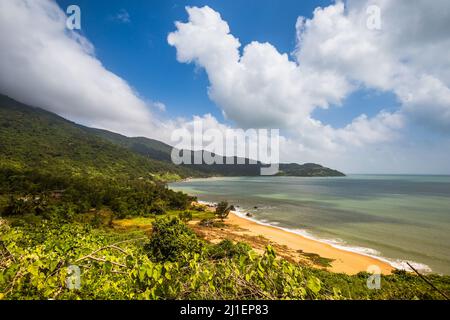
[(307, 170), (50, 166), (151, 148), (32, 138)]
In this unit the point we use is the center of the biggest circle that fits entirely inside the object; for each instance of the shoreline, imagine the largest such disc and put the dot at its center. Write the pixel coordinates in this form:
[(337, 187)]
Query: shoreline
[(344, 261), (395, 261)]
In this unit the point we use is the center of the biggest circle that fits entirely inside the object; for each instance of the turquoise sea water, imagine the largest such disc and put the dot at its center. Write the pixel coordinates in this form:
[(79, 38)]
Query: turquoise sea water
[(400, 218)]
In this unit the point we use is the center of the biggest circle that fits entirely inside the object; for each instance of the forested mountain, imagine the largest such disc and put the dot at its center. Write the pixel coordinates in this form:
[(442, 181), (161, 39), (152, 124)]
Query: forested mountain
[(307, 170), (32, 138), (35, 138), (161, 151)]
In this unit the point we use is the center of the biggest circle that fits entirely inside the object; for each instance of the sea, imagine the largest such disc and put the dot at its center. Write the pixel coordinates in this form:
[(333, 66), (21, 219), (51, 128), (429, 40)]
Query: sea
[(394, 218)]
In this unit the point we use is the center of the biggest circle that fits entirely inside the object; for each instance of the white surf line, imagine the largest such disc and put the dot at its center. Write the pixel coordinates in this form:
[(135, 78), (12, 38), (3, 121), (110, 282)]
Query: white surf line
[(336, 243)]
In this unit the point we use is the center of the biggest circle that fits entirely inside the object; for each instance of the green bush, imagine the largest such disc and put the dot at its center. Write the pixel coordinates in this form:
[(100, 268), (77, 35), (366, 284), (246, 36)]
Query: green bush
[(16, 207), (170, 239), (227, 249), (210, 223), (185, 216), (158, 207)]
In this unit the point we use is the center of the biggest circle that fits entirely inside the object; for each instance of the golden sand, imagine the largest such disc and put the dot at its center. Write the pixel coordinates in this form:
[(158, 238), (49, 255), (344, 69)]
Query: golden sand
[(343, 261)]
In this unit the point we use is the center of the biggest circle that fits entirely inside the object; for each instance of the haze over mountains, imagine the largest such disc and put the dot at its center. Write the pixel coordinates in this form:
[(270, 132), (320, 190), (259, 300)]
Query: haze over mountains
[(32, 137)]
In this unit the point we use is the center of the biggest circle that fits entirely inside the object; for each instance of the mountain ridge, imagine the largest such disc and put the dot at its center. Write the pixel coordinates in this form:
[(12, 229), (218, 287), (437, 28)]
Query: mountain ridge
[(26, 131)]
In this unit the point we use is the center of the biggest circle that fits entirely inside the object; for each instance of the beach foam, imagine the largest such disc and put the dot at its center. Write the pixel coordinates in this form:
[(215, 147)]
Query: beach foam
[(336, 243)]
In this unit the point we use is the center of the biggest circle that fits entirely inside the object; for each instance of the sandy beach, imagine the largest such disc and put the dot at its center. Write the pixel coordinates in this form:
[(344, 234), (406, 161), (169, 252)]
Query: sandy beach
[(289, 245), (343, 261)]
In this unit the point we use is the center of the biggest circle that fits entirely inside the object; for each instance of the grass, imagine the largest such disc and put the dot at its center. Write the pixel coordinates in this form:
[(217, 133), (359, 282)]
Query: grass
[(145, 223)]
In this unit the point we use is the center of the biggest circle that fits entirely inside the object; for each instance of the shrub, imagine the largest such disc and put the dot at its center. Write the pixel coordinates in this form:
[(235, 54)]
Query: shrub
[(170, 239), (210, 223), (207, 223), (199, 208), (120, 207), (16, 207), (158, 207), (227, 249), (185, 216)]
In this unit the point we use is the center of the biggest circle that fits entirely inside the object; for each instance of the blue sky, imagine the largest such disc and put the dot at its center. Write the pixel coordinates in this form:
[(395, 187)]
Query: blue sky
[(359, 90), (137, 50)]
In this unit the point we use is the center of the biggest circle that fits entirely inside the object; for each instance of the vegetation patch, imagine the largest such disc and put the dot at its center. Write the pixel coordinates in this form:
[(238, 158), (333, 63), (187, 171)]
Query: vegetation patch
[(316, 259), (35, 262)]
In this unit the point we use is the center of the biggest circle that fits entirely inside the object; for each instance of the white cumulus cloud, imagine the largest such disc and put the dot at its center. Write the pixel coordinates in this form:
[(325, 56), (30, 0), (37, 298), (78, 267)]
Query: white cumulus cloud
[(265, 88), (44, 64), (407, 56)]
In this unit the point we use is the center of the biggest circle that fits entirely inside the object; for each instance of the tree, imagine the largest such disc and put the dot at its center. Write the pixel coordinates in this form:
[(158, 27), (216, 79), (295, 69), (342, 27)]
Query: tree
[(223, 210)]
